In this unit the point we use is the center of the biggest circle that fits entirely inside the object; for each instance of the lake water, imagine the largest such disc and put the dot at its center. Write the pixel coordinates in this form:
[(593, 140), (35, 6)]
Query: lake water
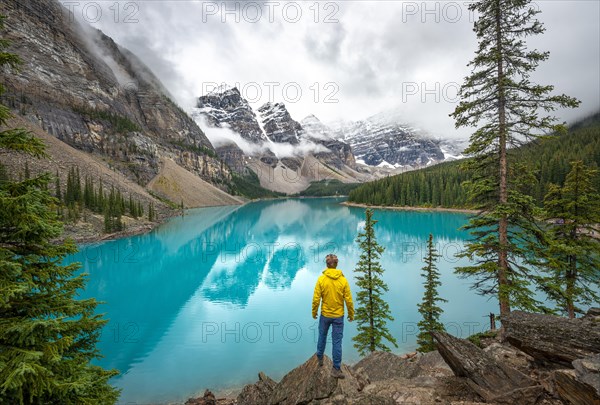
[(211, 299)]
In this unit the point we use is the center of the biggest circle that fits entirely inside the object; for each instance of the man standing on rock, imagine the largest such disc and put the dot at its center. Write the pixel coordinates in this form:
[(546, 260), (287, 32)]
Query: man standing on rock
[(333, 289)]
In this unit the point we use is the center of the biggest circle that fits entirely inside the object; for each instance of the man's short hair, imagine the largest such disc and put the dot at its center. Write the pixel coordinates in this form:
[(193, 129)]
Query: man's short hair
[(332, 261)]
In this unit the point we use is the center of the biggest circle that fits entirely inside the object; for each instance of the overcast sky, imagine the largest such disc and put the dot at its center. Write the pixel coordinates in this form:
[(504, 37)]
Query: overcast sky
[(342, 60)]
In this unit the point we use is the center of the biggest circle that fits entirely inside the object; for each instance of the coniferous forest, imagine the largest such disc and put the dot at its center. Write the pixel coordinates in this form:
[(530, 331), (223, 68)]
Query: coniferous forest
[(442, 185)]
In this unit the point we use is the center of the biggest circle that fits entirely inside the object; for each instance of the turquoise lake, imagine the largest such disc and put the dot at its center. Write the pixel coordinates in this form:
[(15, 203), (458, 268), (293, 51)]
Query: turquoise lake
[(210, 299)]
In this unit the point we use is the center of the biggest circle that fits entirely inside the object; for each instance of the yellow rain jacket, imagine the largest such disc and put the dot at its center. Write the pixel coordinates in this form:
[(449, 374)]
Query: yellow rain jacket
[(334, 289)]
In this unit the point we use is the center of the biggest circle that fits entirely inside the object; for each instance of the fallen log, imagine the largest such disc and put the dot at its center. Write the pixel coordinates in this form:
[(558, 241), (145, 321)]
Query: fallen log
[(552, 338), (492, 380)]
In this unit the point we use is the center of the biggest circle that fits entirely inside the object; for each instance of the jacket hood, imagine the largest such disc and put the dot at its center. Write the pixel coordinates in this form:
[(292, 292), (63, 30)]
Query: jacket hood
[(333, 273)]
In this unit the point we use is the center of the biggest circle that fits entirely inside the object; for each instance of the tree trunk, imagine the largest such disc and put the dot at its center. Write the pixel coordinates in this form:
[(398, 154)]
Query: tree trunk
[(571, 278), (503, 198), (371, 314)]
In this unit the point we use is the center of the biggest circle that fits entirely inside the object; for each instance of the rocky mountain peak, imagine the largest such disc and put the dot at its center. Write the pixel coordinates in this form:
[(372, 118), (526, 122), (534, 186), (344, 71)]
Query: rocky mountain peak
[(314, 128), (278, 124), (225, 106), (340, 152)]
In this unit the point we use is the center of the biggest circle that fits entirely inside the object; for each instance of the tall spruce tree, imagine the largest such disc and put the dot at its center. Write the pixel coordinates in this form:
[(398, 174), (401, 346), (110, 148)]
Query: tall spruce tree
[(428, 308), (504, 106), (372, 311), (47, 336), (571, 254)]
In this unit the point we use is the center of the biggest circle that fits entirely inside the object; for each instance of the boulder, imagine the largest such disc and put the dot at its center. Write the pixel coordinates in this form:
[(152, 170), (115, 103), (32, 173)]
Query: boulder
[(379, 366), (580, 386), (492, 380), (511, 356), (592, 314), (552, 338), (384, 365), (257, 393), (208, 399), (432, 364), (309, 383)]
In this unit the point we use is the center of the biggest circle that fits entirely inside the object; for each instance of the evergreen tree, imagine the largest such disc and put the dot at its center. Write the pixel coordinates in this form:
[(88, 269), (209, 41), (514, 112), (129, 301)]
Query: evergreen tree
[(77, 185), (500, 100), (27, 174), (428, 308), (113, 212), (571, 254), (372, 311), (88, 193), (69, 192), (150, 212), (100, 198), (3, 173), (57, 191), (108, 224), (47, 336), (132, 207)]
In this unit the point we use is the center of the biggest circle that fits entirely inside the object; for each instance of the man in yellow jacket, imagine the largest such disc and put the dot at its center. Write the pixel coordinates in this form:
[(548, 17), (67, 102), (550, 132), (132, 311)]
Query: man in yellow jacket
[(333, 289)]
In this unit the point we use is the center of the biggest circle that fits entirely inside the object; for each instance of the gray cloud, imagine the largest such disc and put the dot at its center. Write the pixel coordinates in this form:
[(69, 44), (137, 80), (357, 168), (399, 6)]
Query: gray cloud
[(374, 54)]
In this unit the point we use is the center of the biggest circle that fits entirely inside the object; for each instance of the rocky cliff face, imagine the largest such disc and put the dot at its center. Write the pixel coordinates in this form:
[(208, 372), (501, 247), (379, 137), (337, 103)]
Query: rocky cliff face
[(382, 141), (84, 89)]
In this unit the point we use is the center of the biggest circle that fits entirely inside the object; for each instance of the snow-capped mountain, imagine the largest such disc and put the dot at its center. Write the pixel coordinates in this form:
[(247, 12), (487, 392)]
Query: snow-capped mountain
[(340, 151), (226, 106), (384, 142), (453, 149), (271, 143), (278, 124)]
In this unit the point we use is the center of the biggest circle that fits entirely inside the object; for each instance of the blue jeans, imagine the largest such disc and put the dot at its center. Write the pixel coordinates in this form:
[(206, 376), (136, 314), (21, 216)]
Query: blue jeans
[(336, 335)]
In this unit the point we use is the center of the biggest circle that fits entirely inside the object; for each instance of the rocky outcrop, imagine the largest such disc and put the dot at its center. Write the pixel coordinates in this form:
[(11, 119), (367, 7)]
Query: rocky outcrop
[(459, 373), (209, 399), (380, 378), (81, 87), (493, 380), (561, 342), (581, 385), (258, 393), (310, 384), (552, 339)]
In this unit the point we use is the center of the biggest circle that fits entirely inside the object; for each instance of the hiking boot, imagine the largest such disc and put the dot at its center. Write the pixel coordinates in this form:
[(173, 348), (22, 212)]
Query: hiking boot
[(320, 361), (336, 373)]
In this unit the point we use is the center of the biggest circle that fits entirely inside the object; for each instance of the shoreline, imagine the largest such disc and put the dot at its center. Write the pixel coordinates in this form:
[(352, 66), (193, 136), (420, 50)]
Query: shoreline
[(142, 229), (231, 393), (410, 208), (138, 229)]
